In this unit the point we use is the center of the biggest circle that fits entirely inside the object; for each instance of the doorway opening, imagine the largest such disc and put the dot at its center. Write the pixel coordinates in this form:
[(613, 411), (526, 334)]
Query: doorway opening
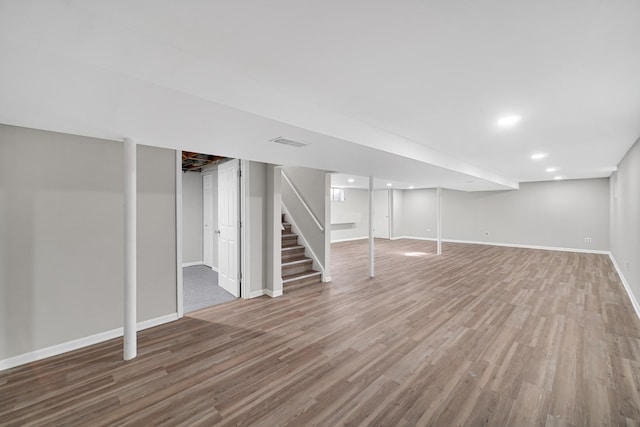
[(210, 230)]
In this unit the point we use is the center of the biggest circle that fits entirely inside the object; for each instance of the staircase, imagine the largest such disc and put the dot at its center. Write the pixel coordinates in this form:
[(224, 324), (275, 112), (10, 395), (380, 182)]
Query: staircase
[(297, 269)]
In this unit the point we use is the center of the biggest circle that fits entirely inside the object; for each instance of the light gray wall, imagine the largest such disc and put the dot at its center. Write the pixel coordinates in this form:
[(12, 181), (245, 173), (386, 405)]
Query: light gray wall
[(61, 237), (625, 218), (191, 217), (356, 202), (310, 184), (156, 232), (555, 213), (419, 213), (4, 245)]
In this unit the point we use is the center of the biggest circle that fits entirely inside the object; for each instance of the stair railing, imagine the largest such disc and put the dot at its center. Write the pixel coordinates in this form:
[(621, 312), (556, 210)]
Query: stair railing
[(304, 203)]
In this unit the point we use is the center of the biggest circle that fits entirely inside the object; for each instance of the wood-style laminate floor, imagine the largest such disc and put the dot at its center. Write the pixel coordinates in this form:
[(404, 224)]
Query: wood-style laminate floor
[(479, 336)]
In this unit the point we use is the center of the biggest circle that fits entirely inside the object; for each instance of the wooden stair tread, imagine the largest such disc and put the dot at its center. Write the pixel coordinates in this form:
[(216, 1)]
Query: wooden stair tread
[(296, 261), (298, 276), (297, 269)]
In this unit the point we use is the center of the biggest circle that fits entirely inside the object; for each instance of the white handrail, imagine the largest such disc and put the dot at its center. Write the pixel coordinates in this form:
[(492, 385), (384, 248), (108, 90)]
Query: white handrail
[(295, 191)]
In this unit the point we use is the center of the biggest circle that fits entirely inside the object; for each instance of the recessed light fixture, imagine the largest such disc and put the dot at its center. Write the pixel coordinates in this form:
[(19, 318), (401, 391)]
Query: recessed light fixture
[(551, 169), (508, 121), (350, 180), (411, 187), (539, 156), (389, 185), (557, 178)]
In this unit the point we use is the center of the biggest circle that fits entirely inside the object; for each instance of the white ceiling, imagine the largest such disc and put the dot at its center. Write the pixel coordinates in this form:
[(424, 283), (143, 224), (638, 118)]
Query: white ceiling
[(408, 91)]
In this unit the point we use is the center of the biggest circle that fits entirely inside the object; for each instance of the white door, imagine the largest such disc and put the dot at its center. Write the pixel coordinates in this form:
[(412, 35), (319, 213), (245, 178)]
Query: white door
[(228, 225), (208, 225), (381, 214)]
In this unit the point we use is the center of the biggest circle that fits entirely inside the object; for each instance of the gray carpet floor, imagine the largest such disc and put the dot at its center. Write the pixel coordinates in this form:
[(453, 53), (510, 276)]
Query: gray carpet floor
[(200, 286)]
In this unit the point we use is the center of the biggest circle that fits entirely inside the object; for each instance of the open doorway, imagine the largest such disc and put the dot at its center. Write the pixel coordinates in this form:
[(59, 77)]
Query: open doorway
[(210, 213)]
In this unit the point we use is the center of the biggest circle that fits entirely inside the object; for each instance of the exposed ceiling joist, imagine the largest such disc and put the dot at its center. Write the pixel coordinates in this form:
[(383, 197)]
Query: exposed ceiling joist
[(194, 162)]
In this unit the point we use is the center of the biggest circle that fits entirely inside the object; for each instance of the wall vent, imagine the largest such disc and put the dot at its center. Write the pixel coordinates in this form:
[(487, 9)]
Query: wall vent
[(289, 142)]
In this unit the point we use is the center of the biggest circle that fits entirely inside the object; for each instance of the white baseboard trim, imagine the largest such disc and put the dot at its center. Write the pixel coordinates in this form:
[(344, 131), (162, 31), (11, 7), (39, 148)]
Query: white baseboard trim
[(157, 321), (517, 245), (513, 245), (431, 239), (351, 239), (256, 294), (76, 344), (627, 288), (273, 294), (191, 264)]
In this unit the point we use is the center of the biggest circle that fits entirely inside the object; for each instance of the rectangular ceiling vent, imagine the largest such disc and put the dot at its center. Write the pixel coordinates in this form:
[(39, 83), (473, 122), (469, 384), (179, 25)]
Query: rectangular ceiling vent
[(289, 142)]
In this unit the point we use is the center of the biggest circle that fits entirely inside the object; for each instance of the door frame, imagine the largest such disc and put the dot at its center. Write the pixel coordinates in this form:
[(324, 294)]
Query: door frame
[(233, 166), (243, 238), (203, 174), (244, 260)]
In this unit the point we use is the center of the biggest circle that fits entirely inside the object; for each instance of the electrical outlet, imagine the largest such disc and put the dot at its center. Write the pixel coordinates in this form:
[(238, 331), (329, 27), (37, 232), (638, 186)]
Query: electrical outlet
[(587, 239)]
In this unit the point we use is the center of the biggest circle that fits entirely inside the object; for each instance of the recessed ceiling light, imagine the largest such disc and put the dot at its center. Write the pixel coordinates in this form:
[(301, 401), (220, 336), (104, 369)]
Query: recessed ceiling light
[(389, 185), (551, 169), (350, 180), (411, 187), (557, 177), (507, 121), (539, 156)]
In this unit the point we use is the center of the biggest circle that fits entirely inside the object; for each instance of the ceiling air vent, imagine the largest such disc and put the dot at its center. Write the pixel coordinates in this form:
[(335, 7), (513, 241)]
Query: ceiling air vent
[(289, 142)]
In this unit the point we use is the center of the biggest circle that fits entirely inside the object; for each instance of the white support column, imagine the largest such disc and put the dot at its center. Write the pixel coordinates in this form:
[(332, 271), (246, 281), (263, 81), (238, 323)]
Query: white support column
[(130, 250), (390, 212), (439, 219), (327, 228), (245, 229), (179, 242), (371, 248), (273, 212), (278, 288)]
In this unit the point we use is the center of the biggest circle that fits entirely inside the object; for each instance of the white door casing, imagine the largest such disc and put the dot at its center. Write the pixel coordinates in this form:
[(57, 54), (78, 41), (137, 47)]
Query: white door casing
[(381, 214), (208, 226), (228, 227)]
